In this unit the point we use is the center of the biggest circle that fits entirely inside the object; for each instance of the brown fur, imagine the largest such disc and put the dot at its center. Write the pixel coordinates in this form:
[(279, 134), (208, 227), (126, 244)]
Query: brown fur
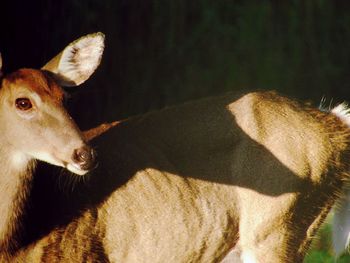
[(257, 173), (41, 129), (97, 131), (39, 82), (26, 136)]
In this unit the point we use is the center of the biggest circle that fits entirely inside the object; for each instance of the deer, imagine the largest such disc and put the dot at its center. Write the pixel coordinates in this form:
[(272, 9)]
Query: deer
[(36, 126), (232, 178)]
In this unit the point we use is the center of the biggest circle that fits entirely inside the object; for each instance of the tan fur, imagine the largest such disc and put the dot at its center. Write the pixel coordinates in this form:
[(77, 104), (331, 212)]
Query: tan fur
[(25, 136), (35, 126), (255, 173)]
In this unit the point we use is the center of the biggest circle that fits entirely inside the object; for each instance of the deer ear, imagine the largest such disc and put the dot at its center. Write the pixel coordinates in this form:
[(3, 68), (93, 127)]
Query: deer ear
[(77, 61)]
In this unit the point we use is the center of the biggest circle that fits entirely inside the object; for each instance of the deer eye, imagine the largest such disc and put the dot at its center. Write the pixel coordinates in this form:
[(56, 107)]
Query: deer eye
[(23, 104)]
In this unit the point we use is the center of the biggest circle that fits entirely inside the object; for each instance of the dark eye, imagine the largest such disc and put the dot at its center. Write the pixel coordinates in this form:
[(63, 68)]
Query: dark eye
[(23, 104)]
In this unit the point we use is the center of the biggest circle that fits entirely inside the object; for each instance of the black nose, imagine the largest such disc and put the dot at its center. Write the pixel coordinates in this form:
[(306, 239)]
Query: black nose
[(85, 157)]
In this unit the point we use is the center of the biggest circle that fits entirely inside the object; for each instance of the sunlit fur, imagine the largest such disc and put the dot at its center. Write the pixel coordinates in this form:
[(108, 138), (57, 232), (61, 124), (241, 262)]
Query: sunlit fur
[(25, 137), (44, 131), (14, 188), (258, 173)]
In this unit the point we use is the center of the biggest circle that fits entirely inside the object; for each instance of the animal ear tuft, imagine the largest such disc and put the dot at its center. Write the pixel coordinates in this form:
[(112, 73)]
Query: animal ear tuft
[(76, 63)]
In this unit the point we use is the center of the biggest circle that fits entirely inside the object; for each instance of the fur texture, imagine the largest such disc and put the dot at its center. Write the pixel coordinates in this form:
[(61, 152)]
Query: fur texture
[(180, 185)]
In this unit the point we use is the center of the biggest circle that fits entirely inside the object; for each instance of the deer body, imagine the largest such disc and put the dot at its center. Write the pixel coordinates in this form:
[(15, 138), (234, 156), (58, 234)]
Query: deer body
[(250, 175), (256, 174)]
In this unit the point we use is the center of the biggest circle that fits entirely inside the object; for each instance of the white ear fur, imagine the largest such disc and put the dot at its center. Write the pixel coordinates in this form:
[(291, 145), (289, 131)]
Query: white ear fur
[(78, 60)]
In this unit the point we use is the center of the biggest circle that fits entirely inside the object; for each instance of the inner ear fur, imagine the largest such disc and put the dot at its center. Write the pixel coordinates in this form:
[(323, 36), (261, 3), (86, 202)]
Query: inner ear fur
[(76, 63)]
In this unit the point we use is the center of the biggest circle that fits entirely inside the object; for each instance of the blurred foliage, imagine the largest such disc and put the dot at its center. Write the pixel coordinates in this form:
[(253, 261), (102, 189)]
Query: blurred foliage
[(321, 248)]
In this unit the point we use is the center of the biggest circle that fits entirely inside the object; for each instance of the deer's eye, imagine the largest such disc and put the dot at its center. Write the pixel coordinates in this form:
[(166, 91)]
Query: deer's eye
[(23, 104)]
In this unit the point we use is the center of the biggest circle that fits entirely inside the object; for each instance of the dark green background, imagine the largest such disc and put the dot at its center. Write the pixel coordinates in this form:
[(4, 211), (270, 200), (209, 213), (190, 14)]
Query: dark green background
[(162, 53)]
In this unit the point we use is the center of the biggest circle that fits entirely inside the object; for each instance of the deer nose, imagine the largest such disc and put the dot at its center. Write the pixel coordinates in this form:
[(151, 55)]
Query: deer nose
[(85, 157)]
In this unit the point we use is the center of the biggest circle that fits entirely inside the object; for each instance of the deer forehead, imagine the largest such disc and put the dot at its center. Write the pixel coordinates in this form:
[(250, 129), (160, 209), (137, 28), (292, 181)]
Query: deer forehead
[(34, 81)]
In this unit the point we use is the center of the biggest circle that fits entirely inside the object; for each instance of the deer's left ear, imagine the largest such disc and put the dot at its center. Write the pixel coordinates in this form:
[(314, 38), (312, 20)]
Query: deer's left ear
[(77, 61)]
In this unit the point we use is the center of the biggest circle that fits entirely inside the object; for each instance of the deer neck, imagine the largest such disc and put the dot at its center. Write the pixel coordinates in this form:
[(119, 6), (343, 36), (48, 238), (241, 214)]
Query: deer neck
[(15, 177)]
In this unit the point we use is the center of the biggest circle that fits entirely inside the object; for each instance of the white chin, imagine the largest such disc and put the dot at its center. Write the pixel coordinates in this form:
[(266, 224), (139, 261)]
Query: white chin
[(76, 169)]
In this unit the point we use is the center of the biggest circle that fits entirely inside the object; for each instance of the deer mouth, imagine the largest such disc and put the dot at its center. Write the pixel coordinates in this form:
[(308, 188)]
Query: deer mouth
[(81, 161), (76, 169)]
